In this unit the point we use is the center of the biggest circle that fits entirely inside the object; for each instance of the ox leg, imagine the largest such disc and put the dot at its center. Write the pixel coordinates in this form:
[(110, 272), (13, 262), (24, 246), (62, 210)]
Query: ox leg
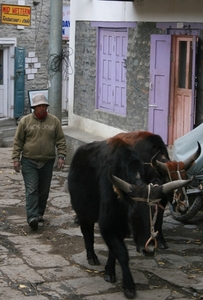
[(110, 273), (119, 251), (88, 234), (161, 242)]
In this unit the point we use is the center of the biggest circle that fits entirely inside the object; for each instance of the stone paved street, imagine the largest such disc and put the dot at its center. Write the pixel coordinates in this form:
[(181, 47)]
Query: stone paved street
[(51, 263)]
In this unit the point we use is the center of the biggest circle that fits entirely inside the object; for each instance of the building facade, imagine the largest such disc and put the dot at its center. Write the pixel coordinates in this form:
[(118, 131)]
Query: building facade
[(137, 66), (24, 56)]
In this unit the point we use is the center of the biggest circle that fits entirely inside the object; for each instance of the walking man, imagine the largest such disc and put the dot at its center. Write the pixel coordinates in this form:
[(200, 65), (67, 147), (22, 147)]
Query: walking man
[(39, 137)]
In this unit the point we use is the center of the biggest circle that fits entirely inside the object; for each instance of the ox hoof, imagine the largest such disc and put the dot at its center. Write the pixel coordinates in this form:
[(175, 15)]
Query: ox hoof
[(93, 261), (148, 253), (162, 245), (129, 294), (110, 278)]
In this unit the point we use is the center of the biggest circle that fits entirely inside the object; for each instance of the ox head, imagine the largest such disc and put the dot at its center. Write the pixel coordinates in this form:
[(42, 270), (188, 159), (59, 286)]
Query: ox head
[(143, 197), (174, 170), (171, 168)]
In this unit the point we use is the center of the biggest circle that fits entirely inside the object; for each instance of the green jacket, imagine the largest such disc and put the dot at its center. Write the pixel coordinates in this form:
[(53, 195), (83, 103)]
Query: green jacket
[(38, 139)]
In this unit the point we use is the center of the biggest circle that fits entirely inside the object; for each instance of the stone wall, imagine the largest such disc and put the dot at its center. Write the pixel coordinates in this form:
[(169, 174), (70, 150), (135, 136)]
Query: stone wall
[(138, 63)]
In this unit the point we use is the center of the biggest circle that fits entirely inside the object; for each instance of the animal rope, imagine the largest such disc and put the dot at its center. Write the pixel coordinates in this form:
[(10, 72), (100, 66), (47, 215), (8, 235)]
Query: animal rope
[(152, 219)]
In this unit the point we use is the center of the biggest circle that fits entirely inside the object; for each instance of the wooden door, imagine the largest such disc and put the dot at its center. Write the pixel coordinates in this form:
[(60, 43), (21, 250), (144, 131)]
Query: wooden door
[(182, 105), (160, 52), (112, 71)]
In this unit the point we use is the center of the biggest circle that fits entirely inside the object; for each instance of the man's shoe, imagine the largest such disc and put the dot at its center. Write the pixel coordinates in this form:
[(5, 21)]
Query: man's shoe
[(41, 219), (34, 223)]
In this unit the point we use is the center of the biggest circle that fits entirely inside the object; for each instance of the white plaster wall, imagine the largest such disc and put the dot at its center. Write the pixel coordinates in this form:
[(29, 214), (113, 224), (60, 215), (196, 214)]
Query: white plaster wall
[(139, 10)]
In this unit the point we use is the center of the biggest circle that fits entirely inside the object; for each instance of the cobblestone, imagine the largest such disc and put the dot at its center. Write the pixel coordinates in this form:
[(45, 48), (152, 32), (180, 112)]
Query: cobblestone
[(51, 262)]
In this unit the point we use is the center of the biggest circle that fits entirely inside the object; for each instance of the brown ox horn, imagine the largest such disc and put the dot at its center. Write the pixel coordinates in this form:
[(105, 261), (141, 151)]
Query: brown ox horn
[(190, 160)]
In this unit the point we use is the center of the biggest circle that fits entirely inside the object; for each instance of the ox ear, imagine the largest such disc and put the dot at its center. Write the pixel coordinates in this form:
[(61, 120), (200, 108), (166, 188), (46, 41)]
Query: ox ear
[(119, 183), (190, 160)]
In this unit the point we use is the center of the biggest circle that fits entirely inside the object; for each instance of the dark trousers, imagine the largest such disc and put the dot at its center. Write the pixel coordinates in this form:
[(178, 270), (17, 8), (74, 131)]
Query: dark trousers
[(37, 185)]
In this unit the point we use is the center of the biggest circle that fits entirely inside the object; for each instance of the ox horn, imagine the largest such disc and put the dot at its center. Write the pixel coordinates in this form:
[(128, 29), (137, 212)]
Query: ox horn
[(167, 187), (158, 164), (190, 160), (187, 163), (119, 183), (173, 185)]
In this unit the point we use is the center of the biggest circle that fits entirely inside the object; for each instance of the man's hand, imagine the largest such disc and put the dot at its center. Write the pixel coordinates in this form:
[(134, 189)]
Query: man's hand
[(16, 166), (61, 163)]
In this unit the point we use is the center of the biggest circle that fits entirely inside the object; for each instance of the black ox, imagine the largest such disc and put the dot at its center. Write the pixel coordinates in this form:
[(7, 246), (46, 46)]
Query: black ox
[(94, 199)]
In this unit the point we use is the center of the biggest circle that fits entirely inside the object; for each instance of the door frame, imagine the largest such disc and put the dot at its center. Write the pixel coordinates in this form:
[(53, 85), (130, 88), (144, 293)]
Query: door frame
[(169, 135), (8, 45), (172, 89)]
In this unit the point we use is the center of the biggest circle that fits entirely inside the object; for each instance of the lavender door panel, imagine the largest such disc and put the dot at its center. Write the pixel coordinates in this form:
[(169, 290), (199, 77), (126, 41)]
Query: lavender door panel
[(111, 76), (159, 85)]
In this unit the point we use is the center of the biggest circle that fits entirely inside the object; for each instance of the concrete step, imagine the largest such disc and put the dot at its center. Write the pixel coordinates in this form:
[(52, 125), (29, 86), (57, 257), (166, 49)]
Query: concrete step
[(8, 131), (4, 122), (8, 142), (75, 138), (64, 121)]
